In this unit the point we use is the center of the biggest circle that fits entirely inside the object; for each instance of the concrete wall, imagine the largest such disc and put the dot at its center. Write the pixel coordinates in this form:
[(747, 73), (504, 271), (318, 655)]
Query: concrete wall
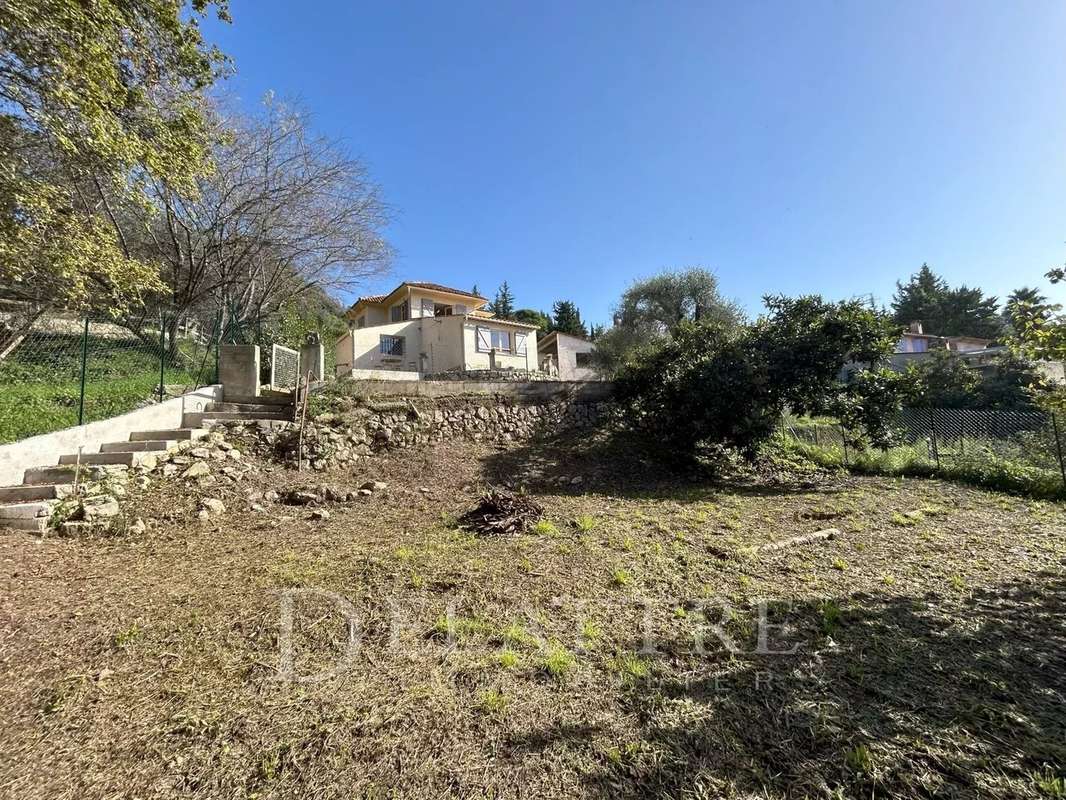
[(383, 375), (238, 369), (45, 450), (473, 359), (535, 391), (366, 347), (566, 349)]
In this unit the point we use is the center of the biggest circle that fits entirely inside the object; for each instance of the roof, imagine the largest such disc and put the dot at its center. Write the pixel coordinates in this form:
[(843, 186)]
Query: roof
[(548, 339), (498, 321), (433, 287), (913, 335)]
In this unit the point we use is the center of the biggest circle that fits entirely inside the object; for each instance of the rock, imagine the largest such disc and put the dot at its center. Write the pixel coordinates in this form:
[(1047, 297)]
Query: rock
[(271, 496), (253, 495), (144, 482), (299, 497), (196, 470), (218, 455), (320, 514), (213, 506), (170, 470), (204, 515), (99, 507), (137, 527), (76, 527), (374, 486), (234, 454), (148, 463), (200, 452), (365, 492), (258, 509), (574, 481)]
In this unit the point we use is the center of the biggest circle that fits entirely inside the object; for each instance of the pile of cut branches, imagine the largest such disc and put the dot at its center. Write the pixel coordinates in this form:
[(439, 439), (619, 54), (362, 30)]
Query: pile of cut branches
[(500, 512)]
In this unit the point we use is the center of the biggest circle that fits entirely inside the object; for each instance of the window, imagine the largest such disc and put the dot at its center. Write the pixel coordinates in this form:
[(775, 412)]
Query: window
[(583, 359), (489, 339), (398, 313), (361, 322), (391, 345), (520, 344)]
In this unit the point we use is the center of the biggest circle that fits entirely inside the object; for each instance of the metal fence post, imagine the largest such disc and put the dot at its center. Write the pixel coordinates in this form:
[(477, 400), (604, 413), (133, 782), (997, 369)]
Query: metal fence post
[(932, 430), (844, 441), (162, 351), (1058, 447), (84, 360)]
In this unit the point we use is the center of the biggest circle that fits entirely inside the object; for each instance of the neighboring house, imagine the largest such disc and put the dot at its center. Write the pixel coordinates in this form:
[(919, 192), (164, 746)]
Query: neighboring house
[(569, 357), (915, 345), (422, 328)]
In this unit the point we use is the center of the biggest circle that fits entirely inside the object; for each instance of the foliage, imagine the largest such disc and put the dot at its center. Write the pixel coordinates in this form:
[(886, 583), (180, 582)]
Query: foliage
[(503, 305), (1010, 382), (652, 307), (533, 317), (942, 380), (566, 318), (1026, 307), (944, 311), (99, 100), (712, 385)]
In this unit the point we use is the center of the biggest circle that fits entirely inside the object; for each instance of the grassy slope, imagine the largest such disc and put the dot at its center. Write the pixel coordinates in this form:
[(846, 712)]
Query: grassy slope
[(930, 633)]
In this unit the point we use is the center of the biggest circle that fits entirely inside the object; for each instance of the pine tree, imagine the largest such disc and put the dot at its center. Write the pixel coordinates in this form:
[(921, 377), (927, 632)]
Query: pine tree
[(503, 305), (943, 311), (475, 291), (567, 319)]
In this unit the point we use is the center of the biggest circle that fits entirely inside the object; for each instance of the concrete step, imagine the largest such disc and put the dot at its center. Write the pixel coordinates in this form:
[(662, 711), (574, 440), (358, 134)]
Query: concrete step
[(273, 398), (247, 408), (42, 475), (127, 459), (41, 491), (199, 418), (37, 524), (181, 434), (147, 445), (28, 510)]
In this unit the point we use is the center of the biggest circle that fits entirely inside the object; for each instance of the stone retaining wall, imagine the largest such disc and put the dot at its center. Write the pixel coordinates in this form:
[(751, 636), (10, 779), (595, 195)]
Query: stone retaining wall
[(359, 430)]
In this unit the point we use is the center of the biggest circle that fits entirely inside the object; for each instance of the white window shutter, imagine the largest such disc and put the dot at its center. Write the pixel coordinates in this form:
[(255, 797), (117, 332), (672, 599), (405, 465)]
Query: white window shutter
[(484, 342), (520, 344)]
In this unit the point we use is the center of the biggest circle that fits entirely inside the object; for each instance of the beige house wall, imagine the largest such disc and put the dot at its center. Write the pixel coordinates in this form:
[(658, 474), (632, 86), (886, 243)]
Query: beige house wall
[(567, 348), (474, 359)]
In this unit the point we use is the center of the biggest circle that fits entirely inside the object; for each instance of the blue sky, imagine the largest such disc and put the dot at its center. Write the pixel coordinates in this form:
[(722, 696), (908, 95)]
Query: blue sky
[(570, 147)]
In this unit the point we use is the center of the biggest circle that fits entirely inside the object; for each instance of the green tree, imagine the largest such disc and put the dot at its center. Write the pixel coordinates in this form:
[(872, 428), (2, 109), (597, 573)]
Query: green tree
[(709, 384), (566, 318), (650, 308), (943, 380), (944, 311), (98, 100), (503, 305), (475, 291), (1027, 306), (531, 316)]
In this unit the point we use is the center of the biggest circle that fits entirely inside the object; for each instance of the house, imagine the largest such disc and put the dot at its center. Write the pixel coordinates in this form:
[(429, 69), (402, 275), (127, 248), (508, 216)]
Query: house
[(569, 357), (915, 345), (424, 328)]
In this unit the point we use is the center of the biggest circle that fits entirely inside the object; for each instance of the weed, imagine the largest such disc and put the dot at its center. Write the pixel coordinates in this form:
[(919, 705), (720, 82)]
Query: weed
[(621, 577), (403, 553), (839, 564), (680, 613), (958, 583), (630, 667), (887, 580), (544, 528), (830, 613), (558, 661), (517, 636), (417, 581), (859, 760), (525, 565), (1050, 784), (492, 701), (459, 628), (449, 520), (507, 658), (127, 636), (584, 522)]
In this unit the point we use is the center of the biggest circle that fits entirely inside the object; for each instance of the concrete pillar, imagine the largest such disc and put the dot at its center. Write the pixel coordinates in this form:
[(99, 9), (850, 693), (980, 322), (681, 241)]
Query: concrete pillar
[(238, 370), (313, 359)]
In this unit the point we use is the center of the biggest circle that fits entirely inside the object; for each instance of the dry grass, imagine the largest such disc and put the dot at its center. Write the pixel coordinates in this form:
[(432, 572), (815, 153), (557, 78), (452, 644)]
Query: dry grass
[(932, 663)]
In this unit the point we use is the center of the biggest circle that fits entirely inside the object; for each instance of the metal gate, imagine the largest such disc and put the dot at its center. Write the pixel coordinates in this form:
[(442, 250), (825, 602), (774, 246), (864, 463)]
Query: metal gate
[(284, 367)]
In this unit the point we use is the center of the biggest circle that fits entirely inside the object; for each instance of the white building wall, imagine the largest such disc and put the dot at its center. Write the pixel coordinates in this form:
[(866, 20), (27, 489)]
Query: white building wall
[(474, 359), (568, 347)]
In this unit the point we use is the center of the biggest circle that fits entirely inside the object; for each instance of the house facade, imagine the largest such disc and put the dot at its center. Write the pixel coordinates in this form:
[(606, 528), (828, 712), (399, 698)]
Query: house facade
[(915, 345), (424, 328), (566, 356)]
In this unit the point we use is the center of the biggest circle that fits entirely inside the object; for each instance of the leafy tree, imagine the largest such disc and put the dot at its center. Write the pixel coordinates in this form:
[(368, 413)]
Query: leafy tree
[(566, 318), (713, 384), (651, 308), (533, 317), (596, 331), (1027, 306), (475, 291), (98, 100), (943, 380), (943, 311), (503, 305)]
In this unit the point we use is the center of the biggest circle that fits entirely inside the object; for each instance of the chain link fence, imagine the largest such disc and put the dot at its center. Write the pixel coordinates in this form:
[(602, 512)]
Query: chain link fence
[(1012, 449)]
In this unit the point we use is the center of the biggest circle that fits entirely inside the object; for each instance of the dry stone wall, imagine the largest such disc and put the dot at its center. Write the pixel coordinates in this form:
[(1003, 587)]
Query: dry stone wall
[(351, 430)]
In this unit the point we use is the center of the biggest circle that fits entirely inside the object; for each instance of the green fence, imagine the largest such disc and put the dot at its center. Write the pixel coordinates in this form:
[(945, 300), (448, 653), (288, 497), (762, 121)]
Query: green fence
[(68, 370), (1014, 450)]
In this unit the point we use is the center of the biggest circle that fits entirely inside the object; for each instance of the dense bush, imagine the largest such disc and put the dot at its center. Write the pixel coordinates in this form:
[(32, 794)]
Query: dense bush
[(944, 380), (713, 385)]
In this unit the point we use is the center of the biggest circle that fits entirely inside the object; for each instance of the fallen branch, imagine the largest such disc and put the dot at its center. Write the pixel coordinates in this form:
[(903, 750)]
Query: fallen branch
[(828, 533)]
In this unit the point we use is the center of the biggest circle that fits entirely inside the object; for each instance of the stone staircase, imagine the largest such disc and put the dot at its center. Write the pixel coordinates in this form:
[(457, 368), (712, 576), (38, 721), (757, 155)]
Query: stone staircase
[(29, 506)]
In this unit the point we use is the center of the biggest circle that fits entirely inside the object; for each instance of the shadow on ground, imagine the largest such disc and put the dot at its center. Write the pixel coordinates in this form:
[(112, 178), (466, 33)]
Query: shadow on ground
[(890, 697)]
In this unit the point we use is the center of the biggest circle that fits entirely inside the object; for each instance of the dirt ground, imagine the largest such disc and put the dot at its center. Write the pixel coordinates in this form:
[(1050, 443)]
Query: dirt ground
[(636, 644)]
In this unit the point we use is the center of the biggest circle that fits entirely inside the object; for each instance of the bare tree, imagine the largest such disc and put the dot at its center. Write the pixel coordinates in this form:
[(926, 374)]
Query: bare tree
[(284, 212)]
